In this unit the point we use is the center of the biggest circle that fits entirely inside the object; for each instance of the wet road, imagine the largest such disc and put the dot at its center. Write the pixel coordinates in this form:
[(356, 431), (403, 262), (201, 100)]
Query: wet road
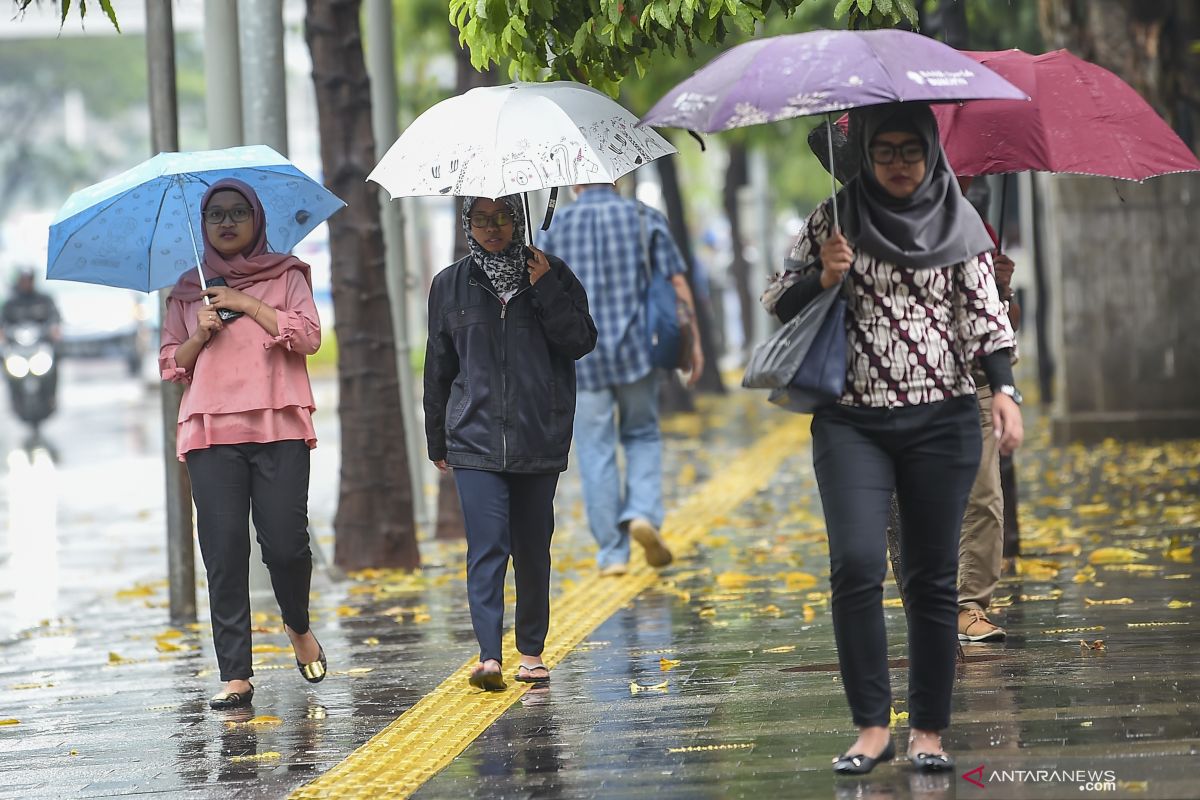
[(718, 682)]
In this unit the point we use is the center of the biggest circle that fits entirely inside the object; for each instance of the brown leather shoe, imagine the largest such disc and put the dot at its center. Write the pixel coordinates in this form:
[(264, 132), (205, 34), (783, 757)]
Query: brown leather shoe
[(645, 534), (974, 626)]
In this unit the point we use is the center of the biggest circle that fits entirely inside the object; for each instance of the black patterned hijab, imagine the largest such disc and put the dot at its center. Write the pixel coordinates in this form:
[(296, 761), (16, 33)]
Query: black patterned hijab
[(935, 226), (506, 269)]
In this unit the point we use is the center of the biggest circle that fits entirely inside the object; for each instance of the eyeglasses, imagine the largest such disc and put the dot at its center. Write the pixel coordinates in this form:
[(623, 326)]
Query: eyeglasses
[(498, 220), (215, 216), (909, 152)]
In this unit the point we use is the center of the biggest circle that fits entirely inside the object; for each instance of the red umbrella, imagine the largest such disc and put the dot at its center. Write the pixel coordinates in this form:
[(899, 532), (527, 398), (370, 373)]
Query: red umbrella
[(1082, 119)]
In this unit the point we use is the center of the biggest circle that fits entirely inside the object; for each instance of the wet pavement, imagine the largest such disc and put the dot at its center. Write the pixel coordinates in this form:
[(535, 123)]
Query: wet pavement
[(720, 681)]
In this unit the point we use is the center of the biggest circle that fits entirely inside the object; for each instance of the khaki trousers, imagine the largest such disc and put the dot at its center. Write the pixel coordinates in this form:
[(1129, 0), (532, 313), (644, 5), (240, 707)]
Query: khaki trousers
[(981, 544)]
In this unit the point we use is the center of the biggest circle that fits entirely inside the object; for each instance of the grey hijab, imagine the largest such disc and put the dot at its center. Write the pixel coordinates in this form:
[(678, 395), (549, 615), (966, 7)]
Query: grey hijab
[(506, 269), (935, 226)]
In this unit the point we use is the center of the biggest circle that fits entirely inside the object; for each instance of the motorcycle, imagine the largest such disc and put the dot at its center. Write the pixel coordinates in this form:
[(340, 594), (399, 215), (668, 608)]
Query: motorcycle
[(31, 366)]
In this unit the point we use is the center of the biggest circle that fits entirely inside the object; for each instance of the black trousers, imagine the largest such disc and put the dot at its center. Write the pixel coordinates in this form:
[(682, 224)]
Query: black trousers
[(508, 514), (229, 482), (929, 455)]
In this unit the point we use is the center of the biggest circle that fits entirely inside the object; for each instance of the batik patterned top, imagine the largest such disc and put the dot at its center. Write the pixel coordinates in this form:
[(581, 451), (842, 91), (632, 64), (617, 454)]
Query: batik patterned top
[(912, 333)]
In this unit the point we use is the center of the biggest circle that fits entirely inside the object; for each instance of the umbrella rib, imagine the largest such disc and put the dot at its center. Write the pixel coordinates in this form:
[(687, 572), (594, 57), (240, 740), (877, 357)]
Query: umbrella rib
[(150, 245)]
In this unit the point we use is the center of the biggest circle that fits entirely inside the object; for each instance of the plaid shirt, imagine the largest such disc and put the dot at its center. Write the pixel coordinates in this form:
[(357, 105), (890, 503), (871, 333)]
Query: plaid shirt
[(599, 237)]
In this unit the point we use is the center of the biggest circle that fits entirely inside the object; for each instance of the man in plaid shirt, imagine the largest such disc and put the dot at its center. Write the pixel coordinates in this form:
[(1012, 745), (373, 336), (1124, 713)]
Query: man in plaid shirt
[(617, 399)]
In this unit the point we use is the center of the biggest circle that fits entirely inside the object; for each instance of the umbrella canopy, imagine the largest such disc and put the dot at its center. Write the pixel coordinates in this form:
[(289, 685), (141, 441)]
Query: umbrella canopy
[(501, 140), (797, 75), (139, 230), (1083, 120)]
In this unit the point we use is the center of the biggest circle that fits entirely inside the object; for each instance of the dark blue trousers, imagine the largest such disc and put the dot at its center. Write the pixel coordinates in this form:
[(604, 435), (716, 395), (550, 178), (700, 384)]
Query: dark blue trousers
[(508, 514), (928, 455)]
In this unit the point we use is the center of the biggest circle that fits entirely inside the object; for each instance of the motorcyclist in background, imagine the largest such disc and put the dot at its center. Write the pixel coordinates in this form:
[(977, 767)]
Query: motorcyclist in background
[(27, 305)]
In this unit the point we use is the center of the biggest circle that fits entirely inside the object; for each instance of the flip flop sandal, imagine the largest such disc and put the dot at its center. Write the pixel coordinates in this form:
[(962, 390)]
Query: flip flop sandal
[(489, 680), (527, 678)]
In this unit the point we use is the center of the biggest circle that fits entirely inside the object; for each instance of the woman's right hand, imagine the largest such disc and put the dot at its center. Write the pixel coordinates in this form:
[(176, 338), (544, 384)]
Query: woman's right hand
[(209, 323), (442, 465), (836, 257)]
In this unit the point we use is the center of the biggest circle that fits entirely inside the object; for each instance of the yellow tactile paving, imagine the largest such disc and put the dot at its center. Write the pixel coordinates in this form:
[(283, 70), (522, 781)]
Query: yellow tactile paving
[(426, 738)]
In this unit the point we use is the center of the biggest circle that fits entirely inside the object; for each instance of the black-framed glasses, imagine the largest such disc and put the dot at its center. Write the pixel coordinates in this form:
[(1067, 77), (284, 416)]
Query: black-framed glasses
[(215, 216), (909, 152), (498, 220)]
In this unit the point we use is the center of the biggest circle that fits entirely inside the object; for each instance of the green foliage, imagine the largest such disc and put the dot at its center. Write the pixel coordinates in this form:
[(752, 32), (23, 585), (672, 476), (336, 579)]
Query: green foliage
[(602, 42), (65, 8), (871, 14)]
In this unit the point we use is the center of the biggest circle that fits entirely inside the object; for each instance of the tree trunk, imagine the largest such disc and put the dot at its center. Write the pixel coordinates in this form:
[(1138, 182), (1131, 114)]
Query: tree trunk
[(710, 378), (735, 178), (374, 521)]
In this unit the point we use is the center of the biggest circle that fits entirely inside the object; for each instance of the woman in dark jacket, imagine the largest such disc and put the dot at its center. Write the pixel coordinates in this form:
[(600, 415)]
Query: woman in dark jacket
[(923, 306), (506, 325)]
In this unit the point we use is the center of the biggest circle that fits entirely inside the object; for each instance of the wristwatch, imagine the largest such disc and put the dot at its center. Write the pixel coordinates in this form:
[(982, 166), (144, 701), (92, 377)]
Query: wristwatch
[(1011, 391)]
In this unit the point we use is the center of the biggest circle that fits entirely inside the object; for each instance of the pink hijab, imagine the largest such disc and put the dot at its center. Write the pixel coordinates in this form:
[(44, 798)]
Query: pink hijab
[(250, 266)]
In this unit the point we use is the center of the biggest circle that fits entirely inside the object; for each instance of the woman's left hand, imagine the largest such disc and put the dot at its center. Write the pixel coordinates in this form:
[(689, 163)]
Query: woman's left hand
[(1006, 422), (539, 265), (232, 299)]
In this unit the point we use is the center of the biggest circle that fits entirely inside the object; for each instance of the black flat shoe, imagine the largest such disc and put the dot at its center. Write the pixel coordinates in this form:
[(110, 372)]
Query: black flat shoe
[(860, 765), (314, 672), (223, 701), (931, 762)]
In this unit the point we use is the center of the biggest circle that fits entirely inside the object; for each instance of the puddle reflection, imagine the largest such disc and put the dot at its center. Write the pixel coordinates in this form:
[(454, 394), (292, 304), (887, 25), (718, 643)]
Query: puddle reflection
[(29, 566)]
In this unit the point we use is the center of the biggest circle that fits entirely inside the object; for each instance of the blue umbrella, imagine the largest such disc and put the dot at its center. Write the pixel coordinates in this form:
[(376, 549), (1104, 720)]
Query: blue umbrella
[(138, 229)]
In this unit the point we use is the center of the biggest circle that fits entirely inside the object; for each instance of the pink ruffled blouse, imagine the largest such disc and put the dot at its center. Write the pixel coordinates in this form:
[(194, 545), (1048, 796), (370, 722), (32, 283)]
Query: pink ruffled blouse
[(246, 385)]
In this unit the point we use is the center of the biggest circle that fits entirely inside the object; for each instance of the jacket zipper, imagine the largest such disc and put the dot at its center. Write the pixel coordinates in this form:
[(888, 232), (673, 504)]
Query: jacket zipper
[(503, 371)]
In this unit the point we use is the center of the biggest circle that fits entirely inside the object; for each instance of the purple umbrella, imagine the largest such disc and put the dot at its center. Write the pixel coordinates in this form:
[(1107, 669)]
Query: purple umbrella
[(820, 72)]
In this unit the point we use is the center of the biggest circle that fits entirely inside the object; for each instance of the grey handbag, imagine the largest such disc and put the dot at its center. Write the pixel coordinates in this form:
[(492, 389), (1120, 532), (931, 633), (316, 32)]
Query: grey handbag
[(775, 362)]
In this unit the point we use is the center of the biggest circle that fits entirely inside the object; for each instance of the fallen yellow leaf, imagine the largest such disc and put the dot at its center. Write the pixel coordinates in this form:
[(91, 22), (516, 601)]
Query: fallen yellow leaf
[(771, 611), (1119, 601), (1087, 573), (734, 580), (1096, 645), (371, 641), (117, 658), (787, 648), (893, 602), (270, 648), (1179, 604), (703, 748), (637, 688), (809, 613), (1078, 630), (1115, 555), (348, 611), (268, 756), (799, 581), (668, 664), (708, 611), (10, 722), (1183, 555), (358, 671), (256, 722), (901, 717)]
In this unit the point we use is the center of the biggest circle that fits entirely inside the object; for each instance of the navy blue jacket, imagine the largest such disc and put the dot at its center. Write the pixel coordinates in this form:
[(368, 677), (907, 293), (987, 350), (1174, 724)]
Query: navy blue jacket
[(500, 378)]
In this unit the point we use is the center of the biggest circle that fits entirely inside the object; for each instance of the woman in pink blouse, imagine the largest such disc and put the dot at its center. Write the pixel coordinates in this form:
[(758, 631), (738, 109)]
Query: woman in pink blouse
[(245, 424), (922, 308)]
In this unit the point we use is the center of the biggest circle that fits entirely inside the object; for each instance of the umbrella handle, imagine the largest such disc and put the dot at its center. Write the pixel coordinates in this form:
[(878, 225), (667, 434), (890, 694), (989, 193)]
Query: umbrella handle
[(832, 180), (1003, 205), (192, 235), (528, 219)]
